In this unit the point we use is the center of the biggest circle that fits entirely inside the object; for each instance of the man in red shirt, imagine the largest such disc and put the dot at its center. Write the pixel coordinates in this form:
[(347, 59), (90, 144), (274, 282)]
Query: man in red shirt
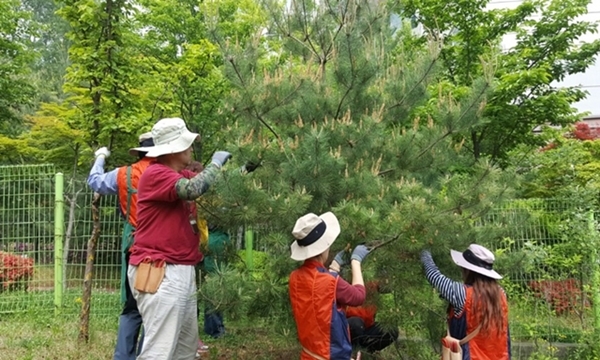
[(166, 246)]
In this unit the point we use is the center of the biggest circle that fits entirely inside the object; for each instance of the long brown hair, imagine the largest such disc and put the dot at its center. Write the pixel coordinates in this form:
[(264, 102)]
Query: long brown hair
[(487, 298)]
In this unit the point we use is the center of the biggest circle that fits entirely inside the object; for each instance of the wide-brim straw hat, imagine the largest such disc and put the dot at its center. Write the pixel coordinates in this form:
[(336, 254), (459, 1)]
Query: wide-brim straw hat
[(314, 234), (477, 259), (170, 136)]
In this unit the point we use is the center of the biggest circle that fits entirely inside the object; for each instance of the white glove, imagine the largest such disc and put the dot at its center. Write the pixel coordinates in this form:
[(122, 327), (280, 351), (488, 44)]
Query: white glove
[(103, 151)]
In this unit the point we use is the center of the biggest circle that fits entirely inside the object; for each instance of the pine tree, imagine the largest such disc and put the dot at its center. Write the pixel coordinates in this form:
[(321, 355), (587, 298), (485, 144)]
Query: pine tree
[(346, 115)]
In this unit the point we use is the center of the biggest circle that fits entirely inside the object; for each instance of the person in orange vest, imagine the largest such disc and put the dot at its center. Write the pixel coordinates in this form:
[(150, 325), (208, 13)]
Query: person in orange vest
[(478, 305), (365, 332), (318, 295), (123, 181)]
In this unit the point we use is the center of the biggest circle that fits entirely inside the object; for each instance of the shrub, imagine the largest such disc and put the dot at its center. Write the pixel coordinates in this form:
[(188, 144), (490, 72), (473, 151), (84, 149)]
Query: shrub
[(15, 271), (563, 296)]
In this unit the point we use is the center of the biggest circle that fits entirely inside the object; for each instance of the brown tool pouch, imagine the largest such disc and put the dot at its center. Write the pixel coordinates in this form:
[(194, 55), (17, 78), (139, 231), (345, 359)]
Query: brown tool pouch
[(149, 276)]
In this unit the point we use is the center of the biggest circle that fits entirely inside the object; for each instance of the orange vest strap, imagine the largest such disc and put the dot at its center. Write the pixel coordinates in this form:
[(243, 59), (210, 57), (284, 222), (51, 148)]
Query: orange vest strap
[(130, 192), (313, 354)]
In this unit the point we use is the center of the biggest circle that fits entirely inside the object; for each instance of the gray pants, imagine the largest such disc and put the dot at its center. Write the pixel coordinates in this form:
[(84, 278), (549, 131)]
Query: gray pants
[(170, 315)]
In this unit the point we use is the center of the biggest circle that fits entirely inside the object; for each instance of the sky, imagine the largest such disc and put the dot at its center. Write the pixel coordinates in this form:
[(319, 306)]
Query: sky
[(590, 80)]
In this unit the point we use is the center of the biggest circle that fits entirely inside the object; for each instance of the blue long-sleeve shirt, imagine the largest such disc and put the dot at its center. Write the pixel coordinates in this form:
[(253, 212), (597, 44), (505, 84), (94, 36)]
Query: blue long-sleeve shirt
[(101, 182), (453, 291)]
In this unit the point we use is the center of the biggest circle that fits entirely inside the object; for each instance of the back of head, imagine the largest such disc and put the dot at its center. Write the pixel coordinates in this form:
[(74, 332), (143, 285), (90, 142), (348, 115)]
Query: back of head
[(488, 297), (145, 140)]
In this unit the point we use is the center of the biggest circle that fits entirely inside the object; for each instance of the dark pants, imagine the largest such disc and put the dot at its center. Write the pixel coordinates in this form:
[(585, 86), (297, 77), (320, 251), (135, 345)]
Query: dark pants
[(213, 322), (371, 339), (130, 323)]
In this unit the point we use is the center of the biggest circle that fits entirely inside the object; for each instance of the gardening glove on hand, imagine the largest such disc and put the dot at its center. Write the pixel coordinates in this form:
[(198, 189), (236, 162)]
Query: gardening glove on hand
[(250, 166), (340, 258), (103, 151), (426, 255), (219, 158), (360, 252)]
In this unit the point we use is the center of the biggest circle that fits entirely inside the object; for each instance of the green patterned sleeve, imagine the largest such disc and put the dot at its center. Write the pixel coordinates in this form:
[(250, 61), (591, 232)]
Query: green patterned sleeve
[(191, 189)]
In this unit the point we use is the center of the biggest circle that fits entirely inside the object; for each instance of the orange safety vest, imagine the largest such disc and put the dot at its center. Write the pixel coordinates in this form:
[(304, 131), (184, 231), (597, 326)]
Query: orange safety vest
[(128, 178), (491, 344), (322, 326), (368, 310)]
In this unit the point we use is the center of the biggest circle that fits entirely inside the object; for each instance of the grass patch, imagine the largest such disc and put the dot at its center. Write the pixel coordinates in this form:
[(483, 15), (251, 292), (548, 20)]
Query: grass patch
[(43, 336), (104, 303), (105, 277), (35, 335)]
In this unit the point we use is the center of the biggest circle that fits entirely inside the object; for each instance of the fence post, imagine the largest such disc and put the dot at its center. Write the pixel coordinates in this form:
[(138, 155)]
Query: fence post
[(59, 231), (249, 242), (595, 272)]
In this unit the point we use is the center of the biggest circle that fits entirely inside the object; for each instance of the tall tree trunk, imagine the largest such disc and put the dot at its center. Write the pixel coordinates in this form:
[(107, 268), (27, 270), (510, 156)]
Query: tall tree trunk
[(84, 319)]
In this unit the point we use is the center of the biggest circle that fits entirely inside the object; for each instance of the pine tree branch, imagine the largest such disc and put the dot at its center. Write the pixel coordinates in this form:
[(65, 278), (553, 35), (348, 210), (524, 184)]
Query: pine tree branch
[(351, 85), (253, 108), (333, 12), (262, 121), (337, 32), (385, 172), (461, 207), (384, 243), (449, 132), (237, 71), (307, 34), (422, 79)]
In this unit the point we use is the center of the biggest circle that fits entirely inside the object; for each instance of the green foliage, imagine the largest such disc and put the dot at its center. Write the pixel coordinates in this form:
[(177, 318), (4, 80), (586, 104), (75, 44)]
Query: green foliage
[(226, 290), (103, 77), (186, 62), (525, 95), (565, 169), (49, 69), (588, 348), (15, 57)]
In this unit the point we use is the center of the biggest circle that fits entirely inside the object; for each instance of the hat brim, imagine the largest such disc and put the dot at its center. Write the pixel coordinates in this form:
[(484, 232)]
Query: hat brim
[(180, 144), (460, 260), (300, 253), (135, 151)]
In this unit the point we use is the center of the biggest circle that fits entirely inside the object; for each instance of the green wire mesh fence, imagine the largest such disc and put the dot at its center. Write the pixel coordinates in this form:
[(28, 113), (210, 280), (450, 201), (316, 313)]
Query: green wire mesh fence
[(547, 250), (27, 242), (26, 236)]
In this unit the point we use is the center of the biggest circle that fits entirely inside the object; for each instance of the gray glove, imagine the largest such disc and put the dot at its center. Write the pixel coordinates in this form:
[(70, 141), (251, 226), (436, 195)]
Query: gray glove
[(360, 252), (425, 254), (103, 151), (339, 258), (219, 158)]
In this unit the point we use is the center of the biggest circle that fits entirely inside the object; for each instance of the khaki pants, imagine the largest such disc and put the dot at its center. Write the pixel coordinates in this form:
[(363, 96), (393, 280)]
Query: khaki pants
[(170, 315)]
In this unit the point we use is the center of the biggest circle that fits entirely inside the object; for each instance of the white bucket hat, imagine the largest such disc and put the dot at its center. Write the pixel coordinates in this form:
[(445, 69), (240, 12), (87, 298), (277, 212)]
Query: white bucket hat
[(141, 139), (476, 258), (170, 136), (314, 234)]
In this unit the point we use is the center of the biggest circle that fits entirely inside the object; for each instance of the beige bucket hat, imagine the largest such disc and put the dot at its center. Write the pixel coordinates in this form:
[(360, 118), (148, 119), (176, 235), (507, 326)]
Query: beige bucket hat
[(314, 234)]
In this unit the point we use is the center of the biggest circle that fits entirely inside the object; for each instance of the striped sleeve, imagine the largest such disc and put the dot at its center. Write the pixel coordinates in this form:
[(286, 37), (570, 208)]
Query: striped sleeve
[(451, 290)]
